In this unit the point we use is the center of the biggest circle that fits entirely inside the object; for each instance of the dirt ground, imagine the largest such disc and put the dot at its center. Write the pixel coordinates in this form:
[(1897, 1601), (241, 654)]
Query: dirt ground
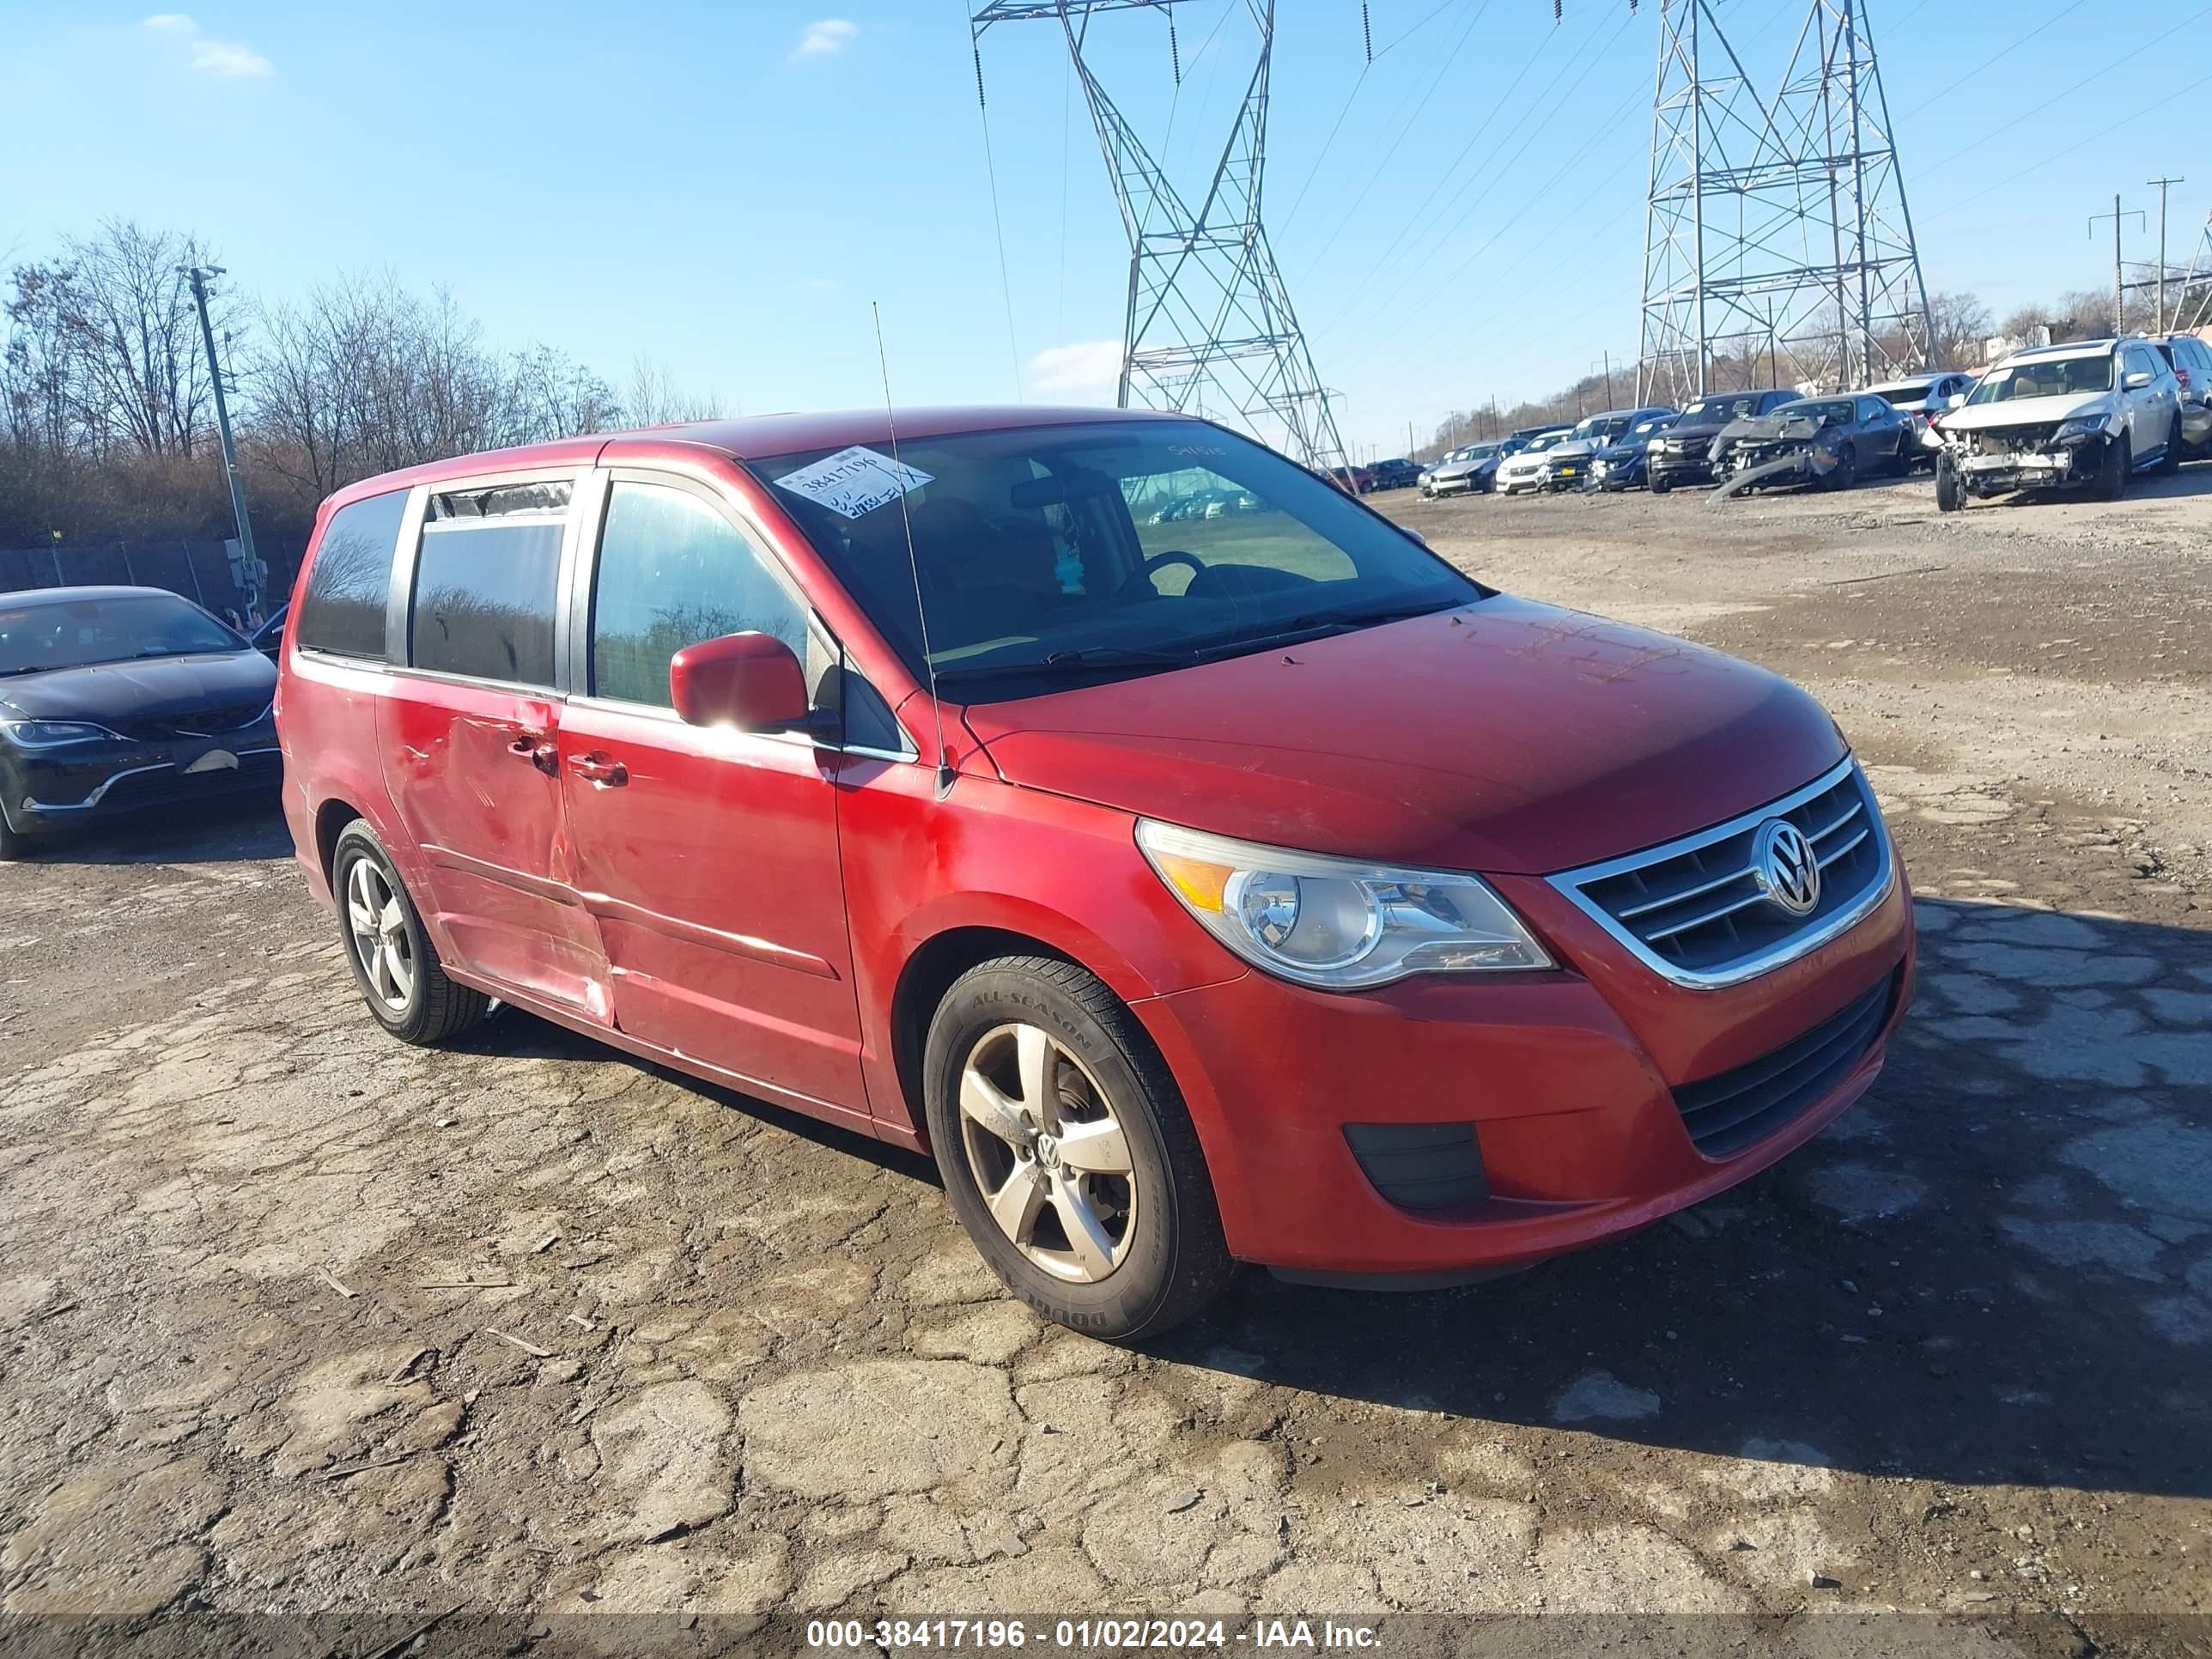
[(295, 1319)]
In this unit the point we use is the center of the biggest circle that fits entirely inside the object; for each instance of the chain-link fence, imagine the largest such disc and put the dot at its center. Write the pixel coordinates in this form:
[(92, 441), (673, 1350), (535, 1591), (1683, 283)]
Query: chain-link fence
[(201, 570)]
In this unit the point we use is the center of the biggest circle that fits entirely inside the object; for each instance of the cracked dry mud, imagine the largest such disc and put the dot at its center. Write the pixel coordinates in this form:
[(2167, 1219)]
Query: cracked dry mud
[(270, 1284)]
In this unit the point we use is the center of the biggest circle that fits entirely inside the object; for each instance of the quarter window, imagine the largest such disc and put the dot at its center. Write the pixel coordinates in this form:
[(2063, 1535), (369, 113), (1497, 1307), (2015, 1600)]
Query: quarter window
[(672, 571), (486, 581), (351, 580)]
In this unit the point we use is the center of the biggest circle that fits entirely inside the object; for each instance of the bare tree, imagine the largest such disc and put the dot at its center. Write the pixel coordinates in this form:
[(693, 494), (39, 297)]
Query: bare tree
[(137, 374), (654, 399)]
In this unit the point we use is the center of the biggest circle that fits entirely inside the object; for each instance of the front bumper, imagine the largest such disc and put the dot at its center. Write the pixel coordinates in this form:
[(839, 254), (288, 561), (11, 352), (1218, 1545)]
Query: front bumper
[(1680, 469), (1573, 1084), (2056, 467), (47, 789)]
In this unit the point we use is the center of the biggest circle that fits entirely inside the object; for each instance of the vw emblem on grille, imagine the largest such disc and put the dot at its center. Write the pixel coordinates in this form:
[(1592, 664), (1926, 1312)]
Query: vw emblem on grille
[(1785, 866)]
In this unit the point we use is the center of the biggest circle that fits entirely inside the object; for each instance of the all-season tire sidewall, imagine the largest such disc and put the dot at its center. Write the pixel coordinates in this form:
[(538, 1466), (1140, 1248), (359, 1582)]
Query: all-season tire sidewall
[(1950, 497), (1177, 1262)]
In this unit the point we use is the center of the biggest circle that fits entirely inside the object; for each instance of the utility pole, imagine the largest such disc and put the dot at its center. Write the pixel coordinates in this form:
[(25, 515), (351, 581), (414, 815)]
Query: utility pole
[(1606, 358), (2159, 323), (2119, 287), (249, 564)]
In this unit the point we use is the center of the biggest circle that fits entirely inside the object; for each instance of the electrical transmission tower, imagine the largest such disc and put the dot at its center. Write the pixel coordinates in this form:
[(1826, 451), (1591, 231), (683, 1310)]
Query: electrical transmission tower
[(1776, 234), (1209, 329), (2193, 309)]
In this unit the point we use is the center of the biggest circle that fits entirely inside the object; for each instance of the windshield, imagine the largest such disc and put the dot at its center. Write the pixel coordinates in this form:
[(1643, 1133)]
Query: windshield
[(1056, 555), (1905, 396), (1646, 428), (1722, 409), (1834, 414), (2053, 376), (1603, 428), (73, 632), (1537, 444)]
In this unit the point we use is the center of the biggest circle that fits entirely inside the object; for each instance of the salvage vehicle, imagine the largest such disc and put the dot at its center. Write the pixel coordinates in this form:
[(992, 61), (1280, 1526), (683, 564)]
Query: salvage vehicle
[(1828, 441), (2086, 415), (1468, 471), (1569, 465), (117, 699), (1524, 469), (1682, 454), (1920, 400), (1258, 888), (1620, 465), (2190, 359)]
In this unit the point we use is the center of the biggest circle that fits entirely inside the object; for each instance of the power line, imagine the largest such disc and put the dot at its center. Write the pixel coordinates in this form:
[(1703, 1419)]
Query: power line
[(1935, 98), (998, 225)]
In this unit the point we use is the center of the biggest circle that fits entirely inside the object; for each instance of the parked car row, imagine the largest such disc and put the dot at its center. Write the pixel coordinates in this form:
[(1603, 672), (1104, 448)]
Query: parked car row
[(2089, 415)]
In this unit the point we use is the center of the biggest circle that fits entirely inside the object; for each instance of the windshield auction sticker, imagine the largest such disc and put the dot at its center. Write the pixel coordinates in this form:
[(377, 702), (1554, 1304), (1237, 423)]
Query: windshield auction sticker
[(855, 480)]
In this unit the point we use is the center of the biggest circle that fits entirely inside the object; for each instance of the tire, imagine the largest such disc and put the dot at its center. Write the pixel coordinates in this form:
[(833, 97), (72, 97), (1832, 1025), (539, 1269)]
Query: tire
[(2112, 475), (1660, 485), (1036, 1026), (1847, 468), (1950, 497), (13, 845), (2170, 463), (432, 1008)]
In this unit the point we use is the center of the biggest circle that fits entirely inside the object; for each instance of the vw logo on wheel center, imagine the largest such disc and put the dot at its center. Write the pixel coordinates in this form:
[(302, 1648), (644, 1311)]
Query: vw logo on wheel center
[(1785, 866)]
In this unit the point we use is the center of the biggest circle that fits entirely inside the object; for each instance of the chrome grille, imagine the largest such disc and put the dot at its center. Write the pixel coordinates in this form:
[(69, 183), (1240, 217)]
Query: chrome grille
[(1694, 910)]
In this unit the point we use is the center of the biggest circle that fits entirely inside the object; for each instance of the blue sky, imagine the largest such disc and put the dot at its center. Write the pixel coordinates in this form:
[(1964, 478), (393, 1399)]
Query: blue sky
[(725, 189)]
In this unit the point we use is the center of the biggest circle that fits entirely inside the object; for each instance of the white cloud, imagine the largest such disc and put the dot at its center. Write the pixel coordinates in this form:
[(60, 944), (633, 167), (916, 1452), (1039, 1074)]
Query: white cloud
[(225, 57), (1083, 367), (831, 35)]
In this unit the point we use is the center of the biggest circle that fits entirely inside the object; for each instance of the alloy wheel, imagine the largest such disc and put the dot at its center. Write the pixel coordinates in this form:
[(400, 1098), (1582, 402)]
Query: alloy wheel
[(1047, 1152), (377, 926)]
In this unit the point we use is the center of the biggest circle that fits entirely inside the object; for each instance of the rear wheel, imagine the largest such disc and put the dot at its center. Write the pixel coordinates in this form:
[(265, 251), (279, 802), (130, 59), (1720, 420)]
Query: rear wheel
[(393, 961), (2170, 463), (2113, 473), (1067, 1153)]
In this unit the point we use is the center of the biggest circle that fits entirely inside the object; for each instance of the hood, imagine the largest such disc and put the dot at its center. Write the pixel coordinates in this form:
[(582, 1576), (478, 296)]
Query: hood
[(1505, 736), (147, 688), (1528, 460), (1626, 448), (1462, 468), (2028, 411), (1577, 447), (1772, 428)]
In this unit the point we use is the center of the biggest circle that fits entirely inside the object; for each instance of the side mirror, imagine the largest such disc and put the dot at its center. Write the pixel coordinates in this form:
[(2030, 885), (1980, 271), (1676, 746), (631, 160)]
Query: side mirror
[(750, 680), (2134, 382), (1956, 400), (1416, 535)]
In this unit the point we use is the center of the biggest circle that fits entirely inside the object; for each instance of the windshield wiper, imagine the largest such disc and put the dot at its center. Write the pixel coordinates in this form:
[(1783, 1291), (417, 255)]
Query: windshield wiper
[(1071, 661), (1319, 623)]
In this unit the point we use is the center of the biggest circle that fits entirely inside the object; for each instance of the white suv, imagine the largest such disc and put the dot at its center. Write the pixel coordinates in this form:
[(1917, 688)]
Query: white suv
[(2084, 416)]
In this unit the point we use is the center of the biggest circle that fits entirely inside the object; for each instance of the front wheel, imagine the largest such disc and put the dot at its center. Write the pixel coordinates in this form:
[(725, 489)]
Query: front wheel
[(1661, 483), (393, 961), (13, 845), (1847, 468), (1950, 495), (1067, 1153), (2113, 474)]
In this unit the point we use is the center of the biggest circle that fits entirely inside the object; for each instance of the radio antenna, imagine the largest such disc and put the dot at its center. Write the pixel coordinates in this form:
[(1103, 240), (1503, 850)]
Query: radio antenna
[(945, 772)]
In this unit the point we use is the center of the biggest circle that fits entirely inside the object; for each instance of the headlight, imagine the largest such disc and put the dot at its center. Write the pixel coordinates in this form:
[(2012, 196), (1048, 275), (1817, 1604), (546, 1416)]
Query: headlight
[(1336, 924), (2081, 426), (52, 734)]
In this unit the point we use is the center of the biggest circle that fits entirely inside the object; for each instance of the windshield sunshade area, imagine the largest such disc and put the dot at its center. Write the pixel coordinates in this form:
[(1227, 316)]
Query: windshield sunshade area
[(1722, 409), (76, 633), (1064, 554), (2055, 377)]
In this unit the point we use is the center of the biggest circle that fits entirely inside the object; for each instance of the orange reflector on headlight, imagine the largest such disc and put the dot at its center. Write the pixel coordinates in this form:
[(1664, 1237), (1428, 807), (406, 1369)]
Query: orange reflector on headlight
[(1201, 885)]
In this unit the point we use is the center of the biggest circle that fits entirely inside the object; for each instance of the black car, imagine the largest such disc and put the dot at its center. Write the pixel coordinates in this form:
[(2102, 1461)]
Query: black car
[(116, 698), (1828, 441), (1399, 474), (1620, 465), (1682, 454)]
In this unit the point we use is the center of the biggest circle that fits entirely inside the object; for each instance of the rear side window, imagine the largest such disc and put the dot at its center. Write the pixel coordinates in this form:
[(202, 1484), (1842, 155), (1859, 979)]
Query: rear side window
[(344, 609), (486, 583)]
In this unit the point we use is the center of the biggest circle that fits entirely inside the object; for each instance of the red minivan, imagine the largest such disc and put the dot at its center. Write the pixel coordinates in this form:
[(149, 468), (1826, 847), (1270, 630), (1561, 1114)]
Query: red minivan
[(1197, 865)]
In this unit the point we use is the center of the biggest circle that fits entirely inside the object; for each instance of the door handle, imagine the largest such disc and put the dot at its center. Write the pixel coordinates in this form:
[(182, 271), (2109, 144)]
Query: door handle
[(537, 748), (599, 768)]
